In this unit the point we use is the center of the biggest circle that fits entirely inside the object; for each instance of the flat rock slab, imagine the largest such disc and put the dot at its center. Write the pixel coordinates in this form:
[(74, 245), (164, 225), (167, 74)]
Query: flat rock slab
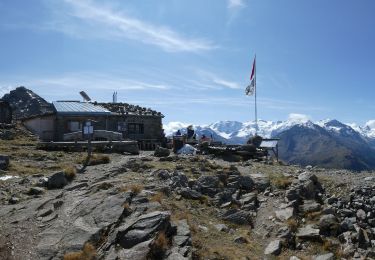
[(78, 222), (308, 232)]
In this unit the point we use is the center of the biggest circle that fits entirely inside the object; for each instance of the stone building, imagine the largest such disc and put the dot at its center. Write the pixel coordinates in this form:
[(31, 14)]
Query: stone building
[(133, 122)]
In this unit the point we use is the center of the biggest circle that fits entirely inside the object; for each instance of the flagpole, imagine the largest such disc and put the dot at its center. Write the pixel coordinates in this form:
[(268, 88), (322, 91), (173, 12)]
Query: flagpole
[(255, 96)]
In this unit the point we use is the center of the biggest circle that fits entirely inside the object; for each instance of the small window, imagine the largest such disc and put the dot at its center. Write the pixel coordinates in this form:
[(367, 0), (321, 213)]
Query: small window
[(135, 129), (121, 126), (75, 126)]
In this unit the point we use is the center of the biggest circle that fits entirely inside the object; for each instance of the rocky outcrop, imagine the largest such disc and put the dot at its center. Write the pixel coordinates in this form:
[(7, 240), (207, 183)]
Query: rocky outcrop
[(161, 152), (26, 103)]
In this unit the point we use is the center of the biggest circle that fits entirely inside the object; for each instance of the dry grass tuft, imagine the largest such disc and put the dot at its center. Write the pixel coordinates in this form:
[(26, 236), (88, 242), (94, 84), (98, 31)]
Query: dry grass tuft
[(95, 159), (126, 206), (104, 186), (204, 200), (136, 188), (88, 253), (70, 172), (292, 224), (159, 246), (158, 197), (313, 215), (280, 181), (327, 245)]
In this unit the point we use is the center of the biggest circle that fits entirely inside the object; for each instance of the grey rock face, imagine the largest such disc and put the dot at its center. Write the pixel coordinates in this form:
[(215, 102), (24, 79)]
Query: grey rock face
[(57, 181), (273, 248)]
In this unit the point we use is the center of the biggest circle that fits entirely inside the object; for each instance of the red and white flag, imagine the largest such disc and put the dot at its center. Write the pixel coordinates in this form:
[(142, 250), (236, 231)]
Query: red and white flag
[(251, 88)]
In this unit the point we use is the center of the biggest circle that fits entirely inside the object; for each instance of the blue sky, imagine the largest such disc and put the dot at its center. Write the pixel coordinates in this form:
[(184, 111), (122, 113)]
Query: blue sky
[(191, 60)]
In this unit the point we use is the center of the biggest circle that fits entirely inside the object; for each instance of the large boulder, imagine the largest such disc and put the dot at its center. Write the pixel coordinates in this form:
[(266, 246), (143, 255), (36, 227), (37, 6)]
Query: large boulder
[(143, 229), (161, 152), (57, 180), (4, 162), (328, 225)]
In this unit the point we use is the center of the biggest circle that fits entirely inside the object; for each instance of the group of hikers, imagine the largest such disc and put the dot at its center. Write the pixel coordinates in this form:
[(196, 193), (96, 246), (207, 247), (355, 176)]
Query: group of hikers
[(191, 136)]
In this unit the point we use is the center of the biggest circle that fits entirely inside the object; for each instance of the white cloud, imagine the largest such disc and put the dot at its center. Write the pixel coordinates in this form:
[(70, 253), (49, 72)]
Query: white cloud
[(298, 117), (226, 83), (98, 81), (5, 90), (172, 127), (236, 3), (217, 80), (91, 82), (88, 19)]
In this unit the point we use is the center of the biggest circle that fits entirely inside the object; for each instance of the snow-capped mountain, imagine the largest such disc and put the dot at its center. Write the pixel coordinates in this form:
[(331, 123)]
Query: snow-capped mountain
[(368, 130), (327, 143), (234, 132)]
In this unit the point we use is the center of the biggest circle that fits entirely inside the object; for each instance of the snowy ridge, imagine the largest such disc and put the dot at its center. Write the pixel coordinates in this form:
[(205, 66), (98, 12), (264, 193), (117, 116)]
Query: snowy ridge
[(237, 132)]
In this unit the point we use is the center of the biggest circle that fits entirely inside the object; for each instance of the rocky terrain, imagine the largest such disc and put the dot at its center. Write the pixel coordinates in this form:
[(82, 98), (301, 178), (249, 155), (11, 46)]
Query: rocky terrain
[(186, 207)]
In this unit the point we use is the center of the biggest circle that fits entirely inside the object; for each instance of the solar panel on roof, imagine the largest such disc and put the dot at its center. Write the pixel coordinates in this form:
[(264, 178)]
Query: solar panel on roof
[(74, 107)]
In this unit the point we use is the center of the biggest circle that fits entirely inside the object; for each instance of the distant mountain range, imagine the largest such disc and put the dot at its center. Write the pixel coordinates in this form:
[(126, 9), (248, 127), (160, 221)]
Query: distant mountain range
[(326, 143)]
